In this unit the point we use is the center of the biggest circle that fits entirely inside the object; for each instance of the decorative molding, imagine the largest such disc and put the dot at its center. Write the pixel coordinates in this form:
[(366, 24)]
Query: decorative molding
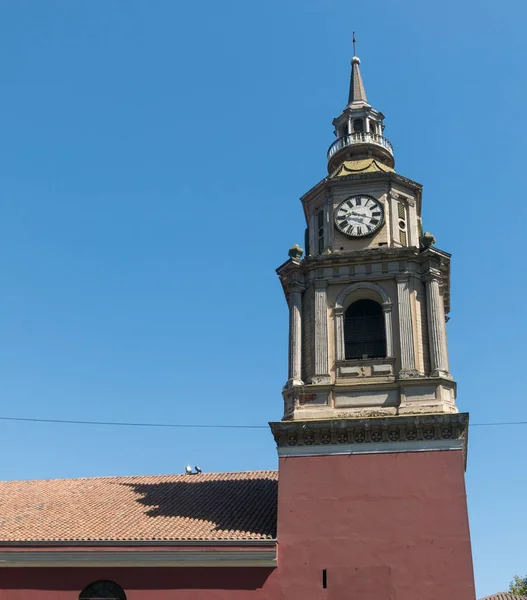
[(365, 368), (411, 433), (409, 374), (372, 448), (321, 284), (387, 176), (362, 285), (433, 275), (139, 558), (366, 255)]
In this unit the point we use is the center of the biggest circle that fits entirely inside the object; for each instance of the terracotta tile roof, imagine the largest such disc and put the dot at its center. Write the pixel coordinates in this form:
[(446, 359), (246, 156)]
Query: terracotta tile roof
[(210, 506), (504, 596)]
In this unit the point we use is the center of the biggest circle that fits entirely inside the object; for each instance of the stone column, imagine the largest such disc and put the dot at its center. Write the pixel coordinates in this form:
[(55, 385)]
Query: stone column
[(295, 337), (406, 332), (321, 334), (387, 308), (436, 327), (338, 311)]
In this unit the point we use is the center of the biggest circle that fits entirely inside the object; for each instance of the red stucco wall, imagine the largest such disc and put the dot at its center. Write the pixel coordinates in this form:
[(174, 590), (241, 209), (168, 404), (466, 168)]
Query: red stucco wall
[(383, 526), (139, 584)]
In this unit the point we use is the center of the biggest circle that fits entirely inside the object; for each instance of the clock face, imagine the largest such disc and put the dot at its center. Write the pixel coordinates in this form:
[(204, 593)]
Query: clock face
[(359, 216)]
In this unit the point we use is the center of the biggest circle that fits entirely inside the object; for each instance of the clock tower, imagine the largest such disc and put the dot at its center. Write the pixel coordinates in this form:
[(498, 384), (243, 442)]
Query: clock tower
[(372, 447), (368, 301)]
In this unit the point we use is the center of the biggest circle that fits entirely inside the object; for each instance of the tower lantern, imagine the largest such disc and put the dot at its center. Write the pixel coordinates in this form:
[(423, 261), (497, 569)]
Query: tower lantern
[(359, 128)]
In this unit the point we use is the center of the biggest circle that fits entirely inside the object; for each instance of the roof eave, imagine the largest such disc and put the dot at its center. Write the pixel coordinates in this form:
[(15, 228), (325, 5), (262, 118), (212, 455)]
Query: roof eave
[(151, 557)]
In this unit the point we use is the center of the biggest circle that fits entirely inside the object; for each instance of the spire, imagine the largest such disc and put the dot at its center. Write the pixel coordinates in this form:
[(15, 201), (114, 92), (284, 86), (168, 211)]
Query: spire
[(357, 91)]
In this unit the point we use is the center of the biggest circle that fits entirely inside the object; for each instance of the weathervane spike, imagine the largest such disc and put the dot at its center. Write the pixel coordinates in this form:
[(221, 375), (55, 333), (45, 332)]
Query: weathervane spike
[(354, 45)]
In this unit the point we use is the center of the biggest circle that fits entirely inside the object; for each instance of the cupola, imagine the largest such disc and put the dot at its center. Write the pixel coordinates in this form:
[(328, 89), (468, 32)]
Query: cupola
[(360, 128)]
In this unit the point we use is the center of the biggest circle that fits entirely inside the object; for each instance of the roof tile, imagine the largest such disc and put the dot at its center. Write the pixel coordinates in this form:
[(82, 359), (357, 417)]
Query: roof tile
[(504, 596), (209, 506)]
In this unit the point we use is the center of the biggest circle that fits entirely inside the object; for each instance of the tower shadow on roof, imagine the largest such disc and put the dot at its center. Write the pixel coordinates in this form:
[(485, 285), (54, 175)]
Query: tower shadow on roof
[(232, 507)]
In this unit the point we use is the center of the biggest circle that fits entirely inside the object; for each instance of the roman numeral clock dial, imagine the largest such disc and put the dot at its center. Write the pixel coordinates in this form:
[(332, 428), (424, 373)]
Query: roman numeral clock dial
[(359, 216)]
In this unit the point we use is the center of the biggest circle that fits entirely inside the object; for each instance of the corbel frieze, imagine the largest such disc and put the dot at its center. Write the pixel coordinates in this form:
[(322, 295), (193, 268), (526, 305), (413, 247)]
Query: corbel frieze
[(378, 432)]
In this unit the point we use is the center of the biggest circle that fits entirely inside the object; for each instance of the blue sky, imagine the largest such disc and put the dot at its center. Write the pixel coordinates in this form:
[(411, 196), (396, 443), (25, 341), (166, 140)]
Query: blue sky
[(151, 159)]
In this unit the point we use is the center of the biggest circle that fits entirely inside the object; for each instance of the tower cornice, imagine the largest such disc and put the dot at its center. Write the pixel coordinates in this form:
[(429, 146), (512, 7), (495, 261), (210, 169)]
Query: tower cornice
[(380, 175), (413, 262), (407, 433), (336, 181)]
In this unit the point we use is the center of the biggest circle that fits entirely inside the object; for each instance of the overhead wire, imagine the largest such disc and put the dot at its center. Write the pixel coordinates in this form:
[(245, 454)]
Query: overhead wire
[(132, 424), (194, 425)]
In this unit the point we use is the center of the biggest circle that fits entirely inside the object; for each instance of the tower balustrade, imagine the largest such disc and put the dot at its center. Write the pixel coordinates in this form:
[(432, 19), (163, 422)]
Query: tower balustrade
[(355, 139)]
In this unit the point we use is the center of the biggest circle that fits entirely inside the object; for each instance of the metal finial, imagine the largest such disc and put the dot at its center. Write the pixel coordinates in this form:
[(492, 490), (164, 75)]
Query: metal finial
[(354, 45)]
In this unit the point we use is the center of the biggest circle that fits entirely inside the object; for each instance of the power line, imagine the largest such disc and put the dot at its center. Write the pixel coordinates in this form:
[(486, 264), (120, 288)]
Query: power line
[(194, 425), (127, 424)]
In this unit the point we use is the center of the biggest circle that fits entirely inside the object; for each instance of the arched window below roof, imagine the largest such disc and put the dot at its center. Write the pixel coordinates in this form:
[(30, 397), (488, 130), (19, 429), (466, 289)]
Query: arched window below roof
[(364, 332), (103, 590)]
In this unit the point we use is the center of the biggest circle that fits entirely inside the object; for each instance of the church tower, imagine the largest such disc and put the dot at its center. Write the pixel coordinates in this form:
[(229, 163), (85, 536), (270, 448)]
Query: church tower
[(368, 301), (372, 447)]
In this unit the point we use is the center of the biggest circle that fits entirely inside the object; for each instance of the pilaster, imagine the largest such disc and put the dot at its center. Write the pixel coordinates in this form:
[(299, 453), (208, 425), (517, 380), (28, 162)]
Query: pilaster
[(313, 245), (436, 326), (321, 334), (406, 334), (393, 222), (330, 237), (387, 309), (338, 313), (295, 337), (412, 229)]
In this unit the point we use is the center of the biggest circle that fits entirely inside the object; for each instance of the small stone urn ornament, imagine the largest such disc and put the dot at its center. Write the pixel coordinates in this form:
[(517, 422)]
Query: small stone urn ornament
[(295, 252), (427, 240)]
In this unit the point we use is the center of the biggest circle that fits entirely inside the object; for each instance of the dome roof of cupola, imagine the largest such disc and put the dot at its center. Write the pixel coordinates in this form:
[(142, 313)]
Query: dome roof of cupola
[(367, 165)]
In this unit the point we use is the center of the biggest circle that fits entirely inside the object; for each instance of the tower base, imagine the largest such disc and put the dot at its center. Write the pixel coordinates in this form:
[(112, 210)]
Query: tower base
[(378, 507)]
